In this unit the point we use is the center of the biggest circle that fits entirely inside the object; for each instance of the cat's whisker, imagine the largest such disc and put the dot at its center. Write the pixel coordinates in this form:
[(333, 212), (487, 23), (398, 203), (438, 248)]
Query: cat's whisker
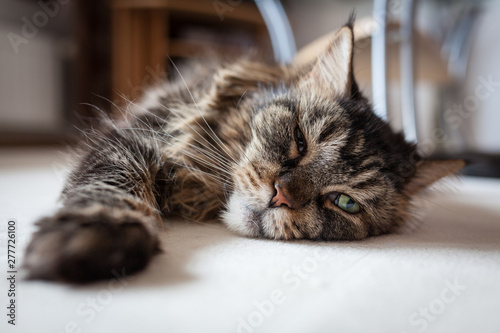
[(241, 97), (214, 150), (201, 161), (221, 157), (215, 137), (218, 181), (219, 176), (244, 156), (213, 156), (221, 181), (207, 162), (98, 109), (221, 163)]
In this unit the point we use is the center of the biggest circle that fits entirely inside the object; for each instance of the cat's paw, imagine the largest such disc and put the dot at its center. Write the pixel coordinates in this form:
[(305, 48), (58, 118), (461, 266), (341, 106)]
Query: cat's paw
[(91, 244)]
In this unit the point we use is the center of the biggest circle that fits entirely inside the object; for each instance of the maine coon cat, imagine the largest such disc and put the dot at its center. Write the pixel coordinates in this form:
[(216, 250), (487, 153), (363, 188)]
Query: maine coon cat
[(281, 152)]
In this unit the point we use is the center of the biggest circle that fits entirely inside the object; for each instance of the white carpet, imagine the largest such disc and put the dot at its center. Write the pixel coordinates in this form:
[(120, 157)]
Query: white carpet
[(443, 276)]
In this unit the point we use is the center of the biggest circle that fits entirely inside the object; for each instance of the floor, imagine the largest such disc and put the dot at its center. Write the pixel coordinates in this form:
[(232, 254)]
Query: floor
[(438, 275)]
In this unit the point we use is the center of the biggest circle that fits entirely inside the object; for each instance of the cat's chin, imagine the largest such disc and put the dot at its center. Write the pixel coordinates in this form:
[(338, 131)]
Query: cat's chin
[(241, 218), (247, 220)]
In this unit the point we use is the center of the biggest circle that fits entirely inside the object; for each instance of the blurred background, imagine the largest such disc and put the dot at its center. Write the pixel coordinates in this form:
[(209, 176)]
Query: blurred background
[(61, 60)]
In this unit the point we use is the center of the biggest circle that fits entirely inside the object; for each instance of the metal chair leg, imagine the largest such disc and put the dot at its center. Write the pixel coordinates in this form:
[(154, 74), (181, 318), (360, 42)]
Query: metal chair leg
[(279, 30), (407, 70), (379, 59)]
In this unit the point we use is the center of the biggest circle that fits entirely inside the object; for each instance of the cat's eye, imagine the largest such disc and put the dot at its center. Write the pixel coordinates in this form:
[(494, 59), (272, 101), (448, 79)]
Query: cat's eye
[(345, 202), (300, 141)]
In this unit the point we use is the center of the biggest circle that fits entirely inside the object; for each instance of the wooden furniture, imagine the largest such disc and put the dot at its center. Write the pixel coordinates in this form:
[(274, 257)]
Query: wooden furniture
[(145, 33)]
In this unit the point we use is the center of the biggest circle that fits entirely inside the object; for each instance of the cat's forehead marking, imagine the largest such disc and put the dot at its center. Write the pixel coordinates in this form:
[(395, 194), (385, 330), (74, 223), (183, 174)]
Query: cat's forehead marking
[(323, 118)]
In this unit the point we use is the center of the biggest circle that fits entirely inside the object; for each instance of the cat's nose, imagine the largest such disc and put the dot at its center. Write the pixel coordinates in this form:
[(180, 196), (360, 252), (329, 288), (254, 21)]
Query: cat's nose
[(280, 198)]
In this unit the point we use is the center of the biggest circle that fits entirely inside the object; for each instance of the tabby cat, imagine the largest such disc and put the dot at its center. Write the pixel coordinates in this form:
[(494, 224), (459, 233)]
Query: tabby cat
[(281, 152)]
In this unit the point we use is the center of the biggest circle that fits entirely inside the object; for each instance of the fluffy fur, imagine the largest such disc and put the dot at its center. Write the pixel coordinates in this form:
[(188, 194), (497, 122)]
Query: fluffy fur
[(225, 142)]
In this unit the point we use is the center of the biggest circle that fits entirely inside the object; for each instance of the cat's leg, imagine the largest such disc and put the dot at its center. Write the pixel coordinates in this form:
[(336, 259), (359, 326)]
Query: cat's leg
[(110, 215)]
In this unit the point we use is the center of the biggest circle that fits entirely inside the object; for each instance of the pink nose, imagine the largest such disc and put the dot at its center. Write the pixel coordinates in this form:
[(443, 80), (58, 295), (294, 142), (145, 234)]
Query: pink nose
[(279, 198)]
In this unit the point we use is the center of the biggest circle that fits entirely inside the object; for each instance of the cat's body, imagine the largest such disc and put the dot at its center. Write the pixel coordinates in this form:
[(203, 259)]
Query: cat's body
[(277, 152)]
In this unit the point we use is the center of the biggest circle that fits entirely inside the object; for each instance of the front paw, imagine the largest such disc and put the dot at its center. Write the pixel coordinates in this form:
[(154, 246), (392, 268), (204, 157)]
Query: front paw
[(90, 244)]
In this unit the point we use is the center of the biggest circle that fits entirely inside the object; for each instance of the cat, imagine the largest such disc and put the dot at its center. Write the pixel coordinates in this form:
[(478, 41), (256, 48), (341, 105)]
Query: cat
[(274, 151)]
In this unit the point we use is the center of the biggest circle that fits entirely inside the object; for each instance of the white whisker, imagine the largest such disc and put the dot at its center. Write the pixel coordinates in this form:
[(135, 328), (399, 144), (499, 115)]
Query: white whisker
[(215, 137)]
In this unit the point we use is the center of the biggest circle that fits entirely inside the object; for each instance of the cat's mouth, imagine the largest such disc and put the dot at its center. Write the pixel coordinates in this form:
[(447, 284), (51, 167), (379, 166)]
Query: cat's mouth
[(257, 213), (243, 217)]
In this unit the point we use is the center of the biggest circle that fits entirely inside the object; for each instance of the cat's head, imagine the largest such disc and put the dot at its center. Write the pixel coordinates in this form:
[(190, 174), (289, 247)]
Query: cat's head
[(321, 164)]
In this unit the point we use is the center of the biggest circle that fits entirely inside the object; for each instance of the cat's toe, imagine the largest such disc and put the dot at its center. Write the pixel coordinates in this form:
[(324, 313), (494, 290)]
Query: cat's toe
[(79, 248)]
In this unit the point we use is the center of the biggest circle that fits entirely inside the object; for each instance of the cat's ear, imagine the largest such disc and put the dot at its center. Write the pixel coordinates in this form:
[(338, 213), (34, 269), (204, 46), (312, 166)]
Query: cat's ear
[(333, 68), (429, 171)]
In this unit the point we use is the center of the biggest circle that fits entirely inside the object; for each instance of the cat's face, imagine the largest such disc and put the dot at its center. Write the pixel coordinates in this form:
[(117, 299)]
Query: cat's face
[(320, 164), (311, 171)]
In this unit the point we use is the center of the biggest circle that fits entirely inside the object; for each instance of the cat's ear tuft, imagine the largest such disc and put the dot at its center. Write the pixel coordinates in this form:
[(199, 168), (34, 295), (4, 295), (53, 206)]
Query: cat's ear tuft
[(428, 172), (333, 68)]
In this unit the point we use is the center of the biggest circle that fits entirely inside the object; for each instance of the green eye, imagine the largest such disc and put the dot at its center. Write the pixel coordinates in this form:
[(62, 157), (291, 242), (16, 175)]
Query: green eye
[(346, 203)]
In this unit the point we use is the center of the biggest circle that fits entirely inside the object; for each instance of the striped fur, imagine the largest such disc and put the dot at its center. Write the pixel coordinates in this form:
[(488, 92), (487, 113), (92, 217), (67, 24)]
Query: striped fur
[(213, 144)]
